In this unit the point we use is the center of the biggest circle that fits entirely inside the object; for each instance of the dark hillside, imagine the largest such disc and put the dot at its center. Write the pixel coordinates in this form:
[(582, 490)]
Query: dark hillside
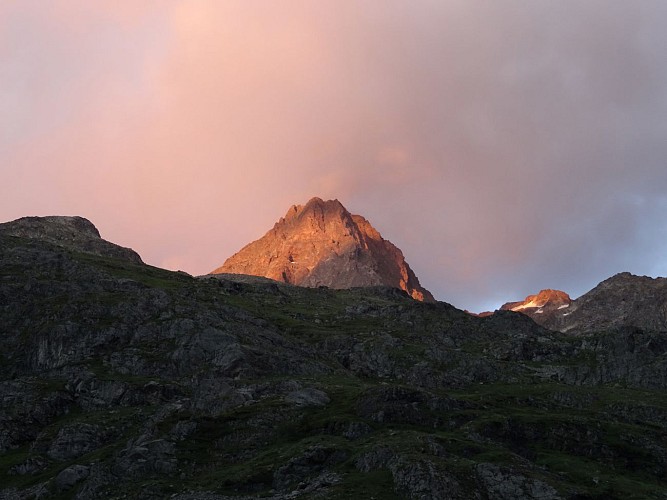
[(118, 379)]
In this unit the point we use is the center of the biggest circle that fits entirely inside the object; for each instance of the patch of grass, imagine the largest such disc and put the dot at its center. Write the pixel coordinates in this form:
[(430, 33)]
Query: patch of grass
[(593, 478), (256, 473), (148, 275), (374, 485), (11, 458)]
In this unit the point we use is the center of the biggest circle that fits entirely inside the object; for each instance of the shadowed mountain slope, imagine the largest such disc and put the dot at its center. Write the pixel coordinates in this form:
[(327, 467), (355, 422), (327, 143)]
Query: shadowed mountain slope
[(624, 300), (122, 380)]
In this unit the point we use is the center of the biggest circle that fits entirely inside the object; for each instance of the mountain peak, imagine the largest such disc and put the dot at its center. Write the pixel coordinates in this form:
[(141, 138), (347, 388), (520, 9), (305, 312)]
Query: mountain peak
[(322, 244), (624, 299), (56, 227), (319, 202), (73, 232), (545, 308), (545, 298), (624, 278), (316, 207)]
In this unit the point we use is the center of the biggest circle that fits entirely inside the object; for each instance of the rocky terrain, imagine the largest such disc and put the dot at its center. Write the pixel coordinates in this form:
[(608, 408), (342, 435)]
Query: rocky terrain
[(74, 233), (121, 380), (322, 244), (624, 300)]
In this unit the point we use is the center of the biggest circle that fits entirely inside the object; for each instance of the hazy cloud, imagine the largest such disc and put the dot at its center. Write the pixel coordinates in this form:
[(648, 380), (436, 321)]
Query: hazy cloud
[(505, 146)]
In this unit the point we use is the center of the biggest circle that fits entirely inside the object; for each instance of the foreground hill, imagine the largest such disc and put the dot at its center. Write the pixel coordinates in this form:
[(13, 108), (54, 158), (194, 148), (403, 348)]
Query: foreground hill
[(119, 379), (322, 244)]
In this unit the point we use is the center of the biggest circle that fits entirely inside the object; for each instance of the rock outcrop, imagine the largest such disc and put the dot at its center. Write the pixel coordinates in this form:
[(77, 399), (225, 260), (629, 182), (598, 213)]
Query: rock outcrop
[(322, 244), (74, 233)]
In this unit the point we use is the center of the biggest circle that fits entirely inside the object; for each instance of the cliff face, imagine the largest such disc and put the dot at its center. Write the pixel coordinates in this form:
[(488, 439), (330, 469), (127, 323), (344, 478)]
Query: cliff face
[(322, 244)]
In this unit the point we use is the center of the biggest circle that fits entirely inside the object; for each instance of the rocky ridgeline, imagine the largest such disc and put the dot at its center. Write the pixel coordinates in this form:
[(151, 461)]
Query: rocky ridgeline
[(624, 300), (75, 233), (322, 244), (120, 380)]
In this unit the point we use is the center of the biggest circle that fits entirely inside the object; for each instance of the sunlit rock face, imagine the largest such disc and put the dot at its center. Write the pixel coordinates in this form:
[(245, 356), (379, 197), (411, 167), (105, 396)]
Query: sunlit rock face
[(322, 244), (545, 300), (543, 307)]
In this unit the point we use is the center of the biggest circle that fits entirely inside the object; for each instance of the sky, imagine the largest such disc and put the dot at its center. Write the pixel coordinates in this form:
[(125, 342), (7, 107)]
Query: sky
[(505, 146)]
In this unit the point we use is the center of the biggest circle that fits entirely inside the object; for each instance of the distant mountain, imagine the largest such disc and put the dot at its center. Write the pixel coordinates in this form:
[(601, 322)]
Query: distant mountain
[(74, 233), (624, 300), (322, 244), (541, 307)]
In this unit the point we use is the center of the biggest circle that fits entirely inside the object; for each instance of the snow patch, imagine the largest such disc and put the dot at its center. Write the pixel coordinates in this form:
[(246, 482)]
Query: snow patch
[(564, 306), (539, 311), (528, 305)]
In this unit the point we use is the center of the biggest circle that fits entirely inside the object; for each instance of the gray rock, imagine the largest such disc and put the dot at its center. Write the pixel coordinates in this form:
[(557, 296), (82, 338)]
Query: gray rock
[(142, 458), (100, 483), (182, 429), (75, 440), (423, 480), (33, 465), (306, 466), (356, 430), (36, 492), (375, 459), (308, 397), (71, 476), (504, 484)]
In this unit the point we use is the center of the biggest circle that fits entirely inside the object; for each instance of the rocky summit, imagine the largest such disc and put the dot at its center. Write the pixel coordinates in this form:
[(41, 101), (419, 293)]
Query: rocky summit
[(122, 380), (541, 307), (322, 244), (624, 300), (74, 233)]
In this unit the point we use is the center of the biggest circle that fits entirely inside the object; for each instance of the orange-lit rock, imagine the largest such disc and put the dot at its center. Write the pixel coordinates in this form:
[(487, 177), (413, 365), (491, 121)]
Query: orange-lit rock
[(549, 299), (544, 308), (322, 244)]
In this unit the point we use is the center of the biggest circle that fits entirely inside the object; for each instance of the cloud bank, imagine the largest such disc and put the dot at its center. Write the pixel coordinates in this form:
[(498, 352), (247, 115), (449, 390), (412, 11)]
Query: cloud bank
[(504, 146)]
